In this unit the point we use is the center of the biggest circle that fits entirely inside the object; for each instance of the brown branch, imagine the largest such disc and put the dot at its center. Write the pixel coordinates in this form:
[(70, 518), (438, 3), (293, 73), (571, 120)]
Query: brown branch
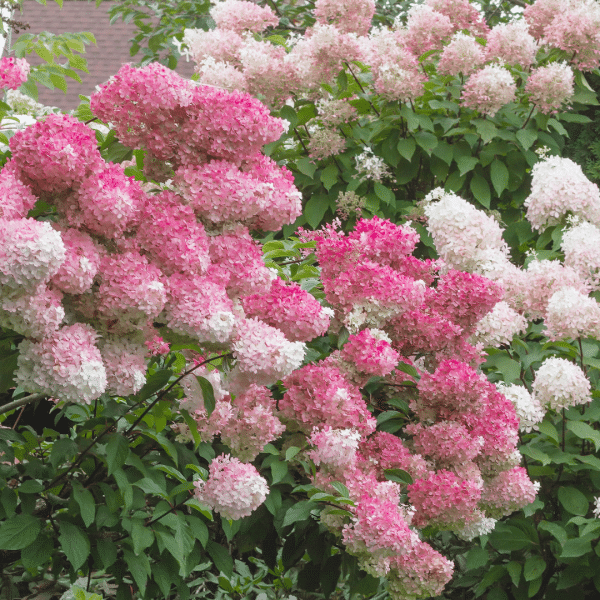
[(21, 402)]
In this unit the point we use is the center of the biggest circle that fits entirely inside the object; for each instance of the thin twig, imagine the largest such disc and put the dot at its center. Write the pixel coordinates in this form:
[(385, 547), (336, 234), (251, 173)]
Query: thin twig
[(21, 402)]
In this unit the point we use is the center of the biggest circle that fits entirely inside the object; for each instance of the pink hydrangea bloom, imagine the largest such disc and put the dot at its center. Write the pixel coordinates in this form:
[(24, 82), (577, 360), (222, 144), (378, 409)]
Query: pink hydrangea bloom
[(462, 14), (463, 55), (488, 90), (131, 290), (30, 254), (108, 202), (82, 261), (571, 315), (426, 28), (289, 308), (199, 307), (253, 423), (541, 13), (335, 112), (370, 353), (508, 492), (511, 43), (550, 87), (234, 489), (334, 448), (66, 365), (499, 326), (55, 154), (172, 237), (267, 71), (13, 72), (559, 383), (219, 44), (35, 315), (581, 246), (353, 16), (576, 29), (263, 354), (559, 188), (319, 395), (465, 297), (376, 532), (125, 364), (542, 279), (446, 442), (16, 199), (462, 234), (234, 247), (383, 451), (444, 500), (157, 346), (419, 573), (221, 74), (396, 75), (239, 16)]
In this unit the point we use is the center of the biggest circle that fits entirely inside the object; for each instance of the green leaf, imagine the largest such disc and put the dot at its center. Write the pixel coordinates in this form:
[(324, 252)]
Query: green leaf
[(384, 193), (406, 147), (18, 532), (221, 558), (398, 475), (163, 577), (426, 140), (107, 550), (306, 166), (466, 164), (578, 546), (208, 394), (74, 543), (142, 536), (37, 553), (8, 366), (514, 571), (154, 383), (329, 176), (86, 501), (486, 129), (481, 190), (298, 512), (534, 567), (289, 114), (117, 450), (315, 210), (573, 500), (198, 529), (444, 151), (477, 557), (499, 175), (139, 567), (584, 431), (549, 430), (536, 454), (527, 137)]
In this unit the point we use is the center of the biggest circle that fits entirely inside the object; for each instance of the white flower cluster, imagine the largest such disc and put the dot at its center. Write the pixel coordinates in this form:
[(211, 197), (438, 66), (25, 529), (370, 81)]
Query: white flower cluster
[(560, 383), (527, 407)]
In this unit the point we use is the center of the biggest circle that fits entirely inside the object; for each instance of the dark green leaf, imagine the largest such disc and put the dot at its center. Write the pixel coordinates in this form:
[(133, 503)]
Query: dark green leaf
[(74, 543), (298, 512), (480, 189), (37, 553), (139, 567), (208, 394), (117, 450), (573, 500), (18, 532), (499, 175), (406, 147), (534, 567), (87, 503), (154, 383), (315, 210), (221, 558), (329, 176), (398, 475)]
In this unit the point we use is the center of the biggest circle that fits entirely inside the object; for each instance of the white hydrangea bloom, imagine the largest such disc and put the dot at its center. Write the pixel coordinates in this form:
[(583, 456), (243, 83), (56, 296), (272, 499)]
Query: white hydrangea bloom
[(527, 407), (559, 383)]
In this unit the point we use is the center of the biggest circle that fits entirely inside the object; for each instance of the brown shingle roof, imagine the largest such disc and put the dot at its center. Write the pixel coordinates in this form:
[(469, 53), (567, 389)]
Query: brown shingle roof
[(104, 59)]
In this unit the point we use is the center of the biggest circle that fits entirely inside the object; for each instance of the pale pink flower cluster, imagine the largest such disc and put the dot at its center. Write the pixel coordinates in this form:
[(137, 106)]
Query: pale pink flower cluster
[(13, 72), (581, 246), (575, 29), (426, 28), (334, 448), (16, 198), (512, 44), (463, 15), (541, 13), (464, 54), (489, 89), (233, 489), (324, 143), (550, 87), (352, 16), (335, 112), (570, 314), (528, 408), (125, 364), (66, 365), (239, 16), (507, 492), (558, 189), (499, 326), (559, 383)]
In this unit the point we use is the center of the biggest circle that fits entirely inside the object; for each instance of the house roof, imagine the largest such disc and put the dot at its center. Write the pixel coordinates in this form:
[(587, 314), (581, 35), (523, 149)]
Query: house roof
[(104, 59)]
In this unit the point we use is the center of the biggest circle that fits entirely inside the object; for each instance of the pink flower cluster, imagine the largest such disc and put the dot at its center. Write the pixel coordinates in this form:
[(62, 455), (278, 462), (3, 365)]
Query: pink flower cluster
[(239, 16), (13, 72), (234, 489), (353, 16)]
